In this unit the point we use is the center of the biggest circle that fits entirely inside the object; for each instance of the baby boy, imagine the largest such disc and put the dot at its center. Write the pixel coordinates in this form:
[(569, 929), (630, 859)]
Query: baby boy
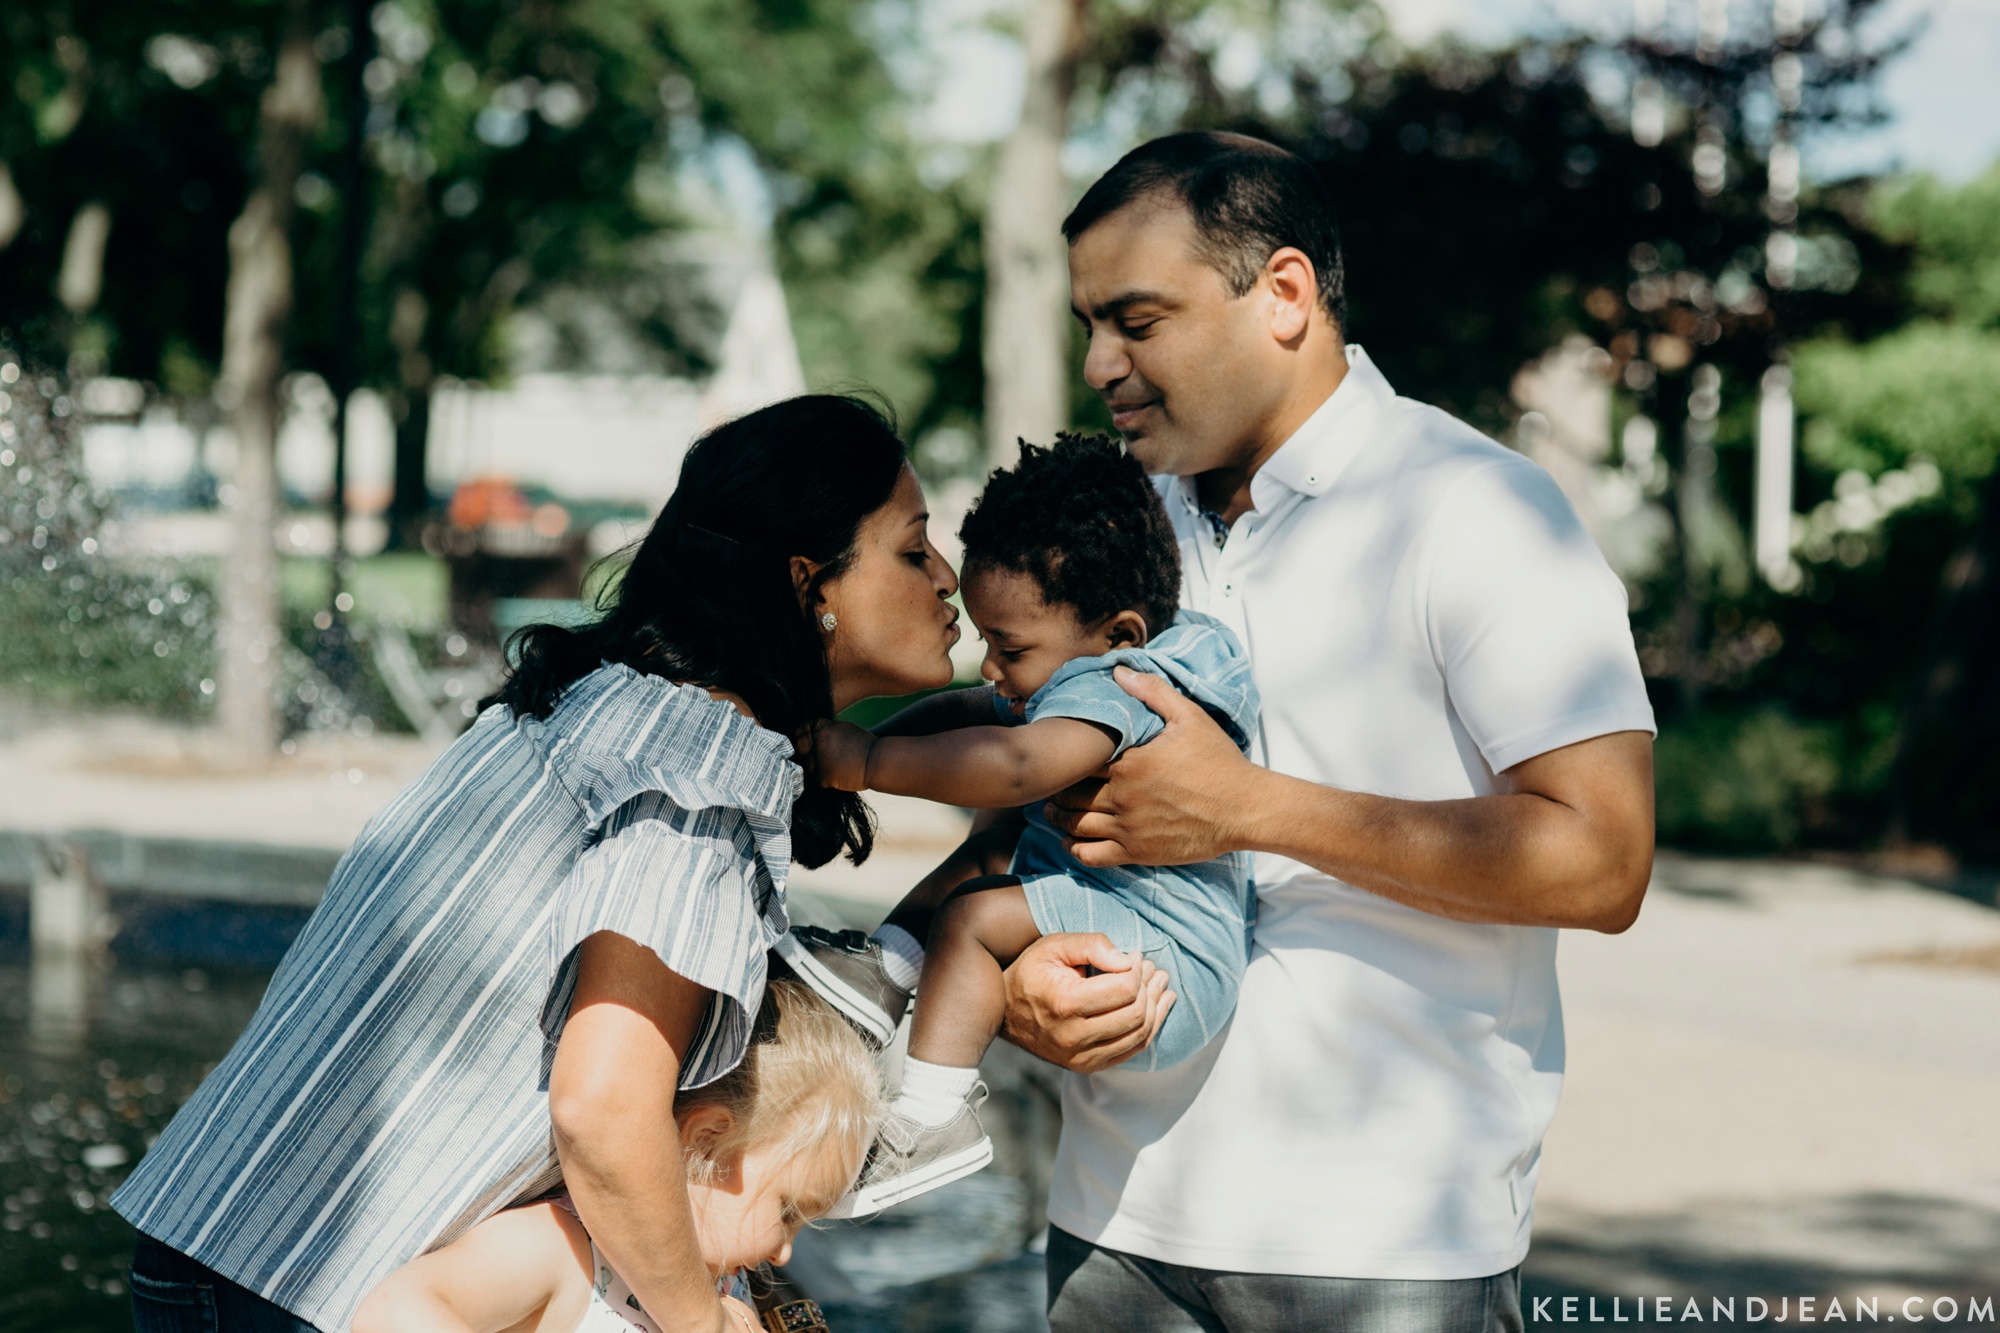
[(1071, 568)]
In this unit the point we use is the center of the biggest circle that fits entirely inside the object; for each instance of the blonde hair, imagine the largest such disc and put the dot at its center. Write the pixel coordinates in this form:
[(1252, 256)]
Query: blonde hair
[(808, 1091)]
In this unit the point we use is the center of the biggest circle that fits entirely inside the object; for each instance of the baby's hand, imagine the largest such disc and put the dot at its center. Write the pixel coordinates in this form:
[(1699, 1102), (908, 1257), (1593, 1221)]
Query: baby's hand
[(842, 751)]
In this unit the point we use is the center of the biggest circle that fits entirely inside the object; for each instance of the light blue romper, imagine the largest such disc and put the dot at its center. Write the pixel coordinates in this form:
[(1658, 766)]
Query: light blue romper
[(1192, 921)]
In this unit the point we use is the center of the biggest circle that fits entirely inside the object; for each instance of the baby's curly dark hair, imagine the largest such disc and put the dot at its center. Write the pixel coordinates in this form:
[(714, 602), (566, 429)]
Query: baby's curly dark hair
[(1080, 519)]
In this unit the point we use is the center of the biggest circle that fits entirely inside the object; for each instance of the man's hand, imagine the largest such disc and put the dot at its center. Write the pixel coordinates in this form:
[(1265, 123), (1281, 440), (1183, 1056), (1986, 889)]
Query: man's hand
[(841, 749), (1565, 841), (1169, 802), (1084, 1023)]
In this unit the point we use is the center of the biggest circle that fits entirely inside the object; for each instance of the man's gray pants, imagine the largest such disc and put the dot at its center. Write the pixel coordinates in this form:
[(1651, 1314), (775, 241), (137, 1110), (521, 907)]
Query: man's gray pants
[(1092, 1289)]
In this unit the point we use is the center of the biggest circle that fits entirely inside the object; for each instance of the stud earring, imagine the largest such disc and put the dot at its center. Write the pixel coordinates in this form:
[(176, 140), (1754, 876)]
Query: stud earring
[(828, 622)]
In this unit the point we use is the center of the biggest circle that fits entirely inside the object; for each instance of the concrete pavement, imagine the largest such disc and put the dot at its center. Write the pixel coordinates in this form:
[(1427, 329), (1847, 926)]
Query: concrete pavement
[(1760, 1098)]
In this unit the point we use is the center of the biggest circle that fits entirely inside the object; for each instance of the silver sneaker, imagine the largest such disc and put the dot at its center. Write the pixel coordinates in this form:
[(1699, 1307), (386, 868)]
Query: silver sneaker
[(845, 967), (909, 1159)]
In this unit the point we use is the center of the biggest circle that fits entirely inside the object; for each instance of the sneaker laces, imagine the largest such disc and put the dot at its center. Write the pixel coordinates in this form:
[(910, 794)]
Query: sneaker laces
[(899, 1133), (847, 941)]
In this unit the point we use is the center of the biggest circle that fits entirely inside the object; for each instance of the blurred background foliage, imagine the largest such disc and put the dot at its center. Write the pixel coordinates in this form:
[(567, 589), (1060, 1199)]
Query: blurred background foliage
[(478, 158), (75, 627)]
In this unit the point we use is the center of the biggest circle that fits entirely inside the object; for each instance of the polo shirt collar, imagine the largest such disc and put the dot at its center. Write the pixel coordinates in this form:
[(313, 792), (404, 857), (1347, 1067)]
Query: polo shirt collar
[(1325, 442)]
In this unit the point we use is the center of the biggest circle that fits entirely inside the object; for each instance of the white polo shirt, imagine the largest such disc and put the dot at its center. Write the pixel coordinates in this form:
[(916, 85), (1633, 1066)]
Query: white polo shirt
[(1422, 610)]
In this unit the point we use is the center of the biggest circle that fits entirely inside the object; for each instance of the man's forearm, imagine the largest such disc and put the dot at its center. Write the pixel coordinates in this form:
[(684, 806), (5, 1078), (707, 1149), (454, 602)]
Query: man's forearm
[(1566, 841), (1513, 859)]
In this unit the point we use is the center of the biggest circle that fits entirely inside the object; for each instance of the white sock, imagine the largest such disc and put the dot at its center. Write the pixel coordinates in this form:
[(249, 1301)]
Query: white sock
[(933, 1094), (902, 955)]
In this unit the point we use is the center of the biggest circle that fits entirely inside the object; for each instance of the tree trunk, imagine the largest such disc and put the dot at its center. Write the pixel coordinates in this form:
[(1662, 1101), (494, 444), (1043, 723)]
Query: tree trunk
[(258, 301), (410, 502), (1027, 263), (80, 280), (345, 377), (12, 211)]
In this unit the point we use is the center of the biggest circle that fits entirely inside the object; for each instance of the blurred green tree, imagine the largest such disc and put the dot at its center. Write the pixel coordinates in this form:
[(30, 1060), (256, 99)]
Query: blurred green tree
[(1956, 270), (126, 150), (521, 148), (1908, 426), (472, 157), (103, 89)]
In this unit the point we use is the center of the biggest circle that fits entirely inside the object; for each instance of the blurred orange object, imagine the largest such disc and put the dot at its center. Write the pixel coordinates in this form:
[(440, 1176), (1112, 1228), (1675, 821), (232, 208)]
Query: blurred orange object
[(550, 520), (485, 500)]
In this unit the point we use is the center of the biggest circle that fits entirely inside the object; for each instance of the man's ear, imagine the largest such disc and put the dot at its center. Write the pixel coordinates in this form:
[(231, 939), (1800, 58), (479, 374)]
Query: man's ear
[(1294, 293), (1127, 629)]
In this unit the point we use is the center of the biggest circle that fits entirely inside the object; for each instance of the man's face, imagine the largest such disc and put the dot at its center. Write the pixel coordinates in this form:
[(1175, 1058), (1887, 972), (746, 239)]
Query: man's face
[(1187, 370)]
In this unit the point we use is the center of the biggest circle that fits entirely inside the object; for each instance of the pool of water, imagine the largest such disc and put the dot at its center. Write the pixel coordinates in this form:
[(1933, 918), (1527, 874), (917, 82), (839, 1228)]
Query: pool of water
[(95, 1058), (93, 1063)]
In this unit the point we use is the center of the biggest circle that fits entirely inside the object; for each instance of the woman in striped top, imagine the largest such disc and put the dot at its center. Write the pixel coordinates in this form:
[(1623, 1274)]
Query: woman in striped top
[(566, 918)]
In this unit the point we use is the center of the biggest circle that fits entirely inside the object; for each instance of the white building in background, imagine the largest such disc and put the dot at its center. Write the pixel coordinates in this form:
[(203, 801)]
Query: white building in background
[(612, 432), (615, 438)]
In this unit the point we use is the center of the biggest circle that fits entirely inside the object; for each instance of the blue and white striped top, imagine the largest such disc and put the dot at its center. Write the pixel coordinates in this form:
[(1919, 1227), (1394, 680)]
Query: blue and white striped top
[(392, 1089)]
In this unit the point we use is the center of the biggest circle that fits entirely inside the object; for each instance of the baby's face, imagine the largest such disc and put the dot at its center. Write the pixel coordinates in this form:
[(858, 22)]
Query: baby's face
[(1027, 639)]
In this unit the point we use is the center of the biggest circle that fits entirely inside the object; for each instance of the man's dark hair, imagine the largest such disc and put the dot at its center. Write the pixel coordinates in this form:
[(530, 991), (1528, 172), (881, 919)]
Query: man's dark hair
[(1249, 199), (1083, 522)]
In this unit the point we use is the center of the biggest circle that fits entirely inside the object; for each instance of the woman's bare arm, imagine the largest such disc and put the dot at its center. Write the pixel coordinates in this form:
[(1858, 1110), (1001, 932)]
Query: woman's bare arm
[(611, 1100)]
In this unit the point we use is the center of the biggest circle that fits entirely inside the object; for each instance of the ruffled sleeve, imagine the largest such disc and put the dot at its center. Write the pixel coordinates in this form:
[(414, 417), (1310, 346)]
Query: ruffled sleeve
[(688, 808)]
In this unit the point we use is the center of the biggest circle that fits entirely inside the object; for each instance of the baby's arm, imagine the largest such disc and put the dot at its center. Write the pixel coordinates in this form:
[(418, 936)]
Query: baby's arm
[(947, 710), (985, 768), (525, 1266)]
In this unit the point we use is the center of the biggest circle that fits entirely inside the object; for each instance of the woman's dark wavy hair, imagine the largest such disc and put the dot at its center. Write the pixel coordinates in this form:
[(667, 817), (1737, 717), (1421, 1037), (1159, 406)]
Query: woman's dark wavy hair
[(708, 598)]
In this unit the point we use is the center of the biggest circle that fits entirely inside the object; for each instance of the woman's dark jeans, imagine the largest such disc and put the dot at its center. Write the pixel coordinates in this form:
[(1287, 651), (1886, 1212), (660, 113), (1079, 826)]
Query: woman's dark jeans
[(172, 1293)]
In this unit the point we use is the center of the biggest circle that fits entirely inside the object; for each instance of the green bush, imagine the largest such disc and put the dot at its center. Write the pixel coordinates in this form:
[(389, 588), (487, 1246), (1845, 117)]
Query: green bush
[(1748, 782)]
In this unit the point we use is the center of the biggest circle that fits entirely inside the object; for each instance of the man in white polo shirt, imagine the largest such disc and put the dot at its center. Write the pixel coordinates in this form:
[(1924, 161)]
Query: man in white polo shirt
[(1454, 761)]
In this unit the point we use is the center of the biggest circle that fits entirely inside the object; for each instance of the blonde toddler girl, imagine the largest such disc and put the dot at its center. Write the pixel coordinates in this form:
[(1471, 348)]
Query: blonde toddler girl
[(769, 1146)]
